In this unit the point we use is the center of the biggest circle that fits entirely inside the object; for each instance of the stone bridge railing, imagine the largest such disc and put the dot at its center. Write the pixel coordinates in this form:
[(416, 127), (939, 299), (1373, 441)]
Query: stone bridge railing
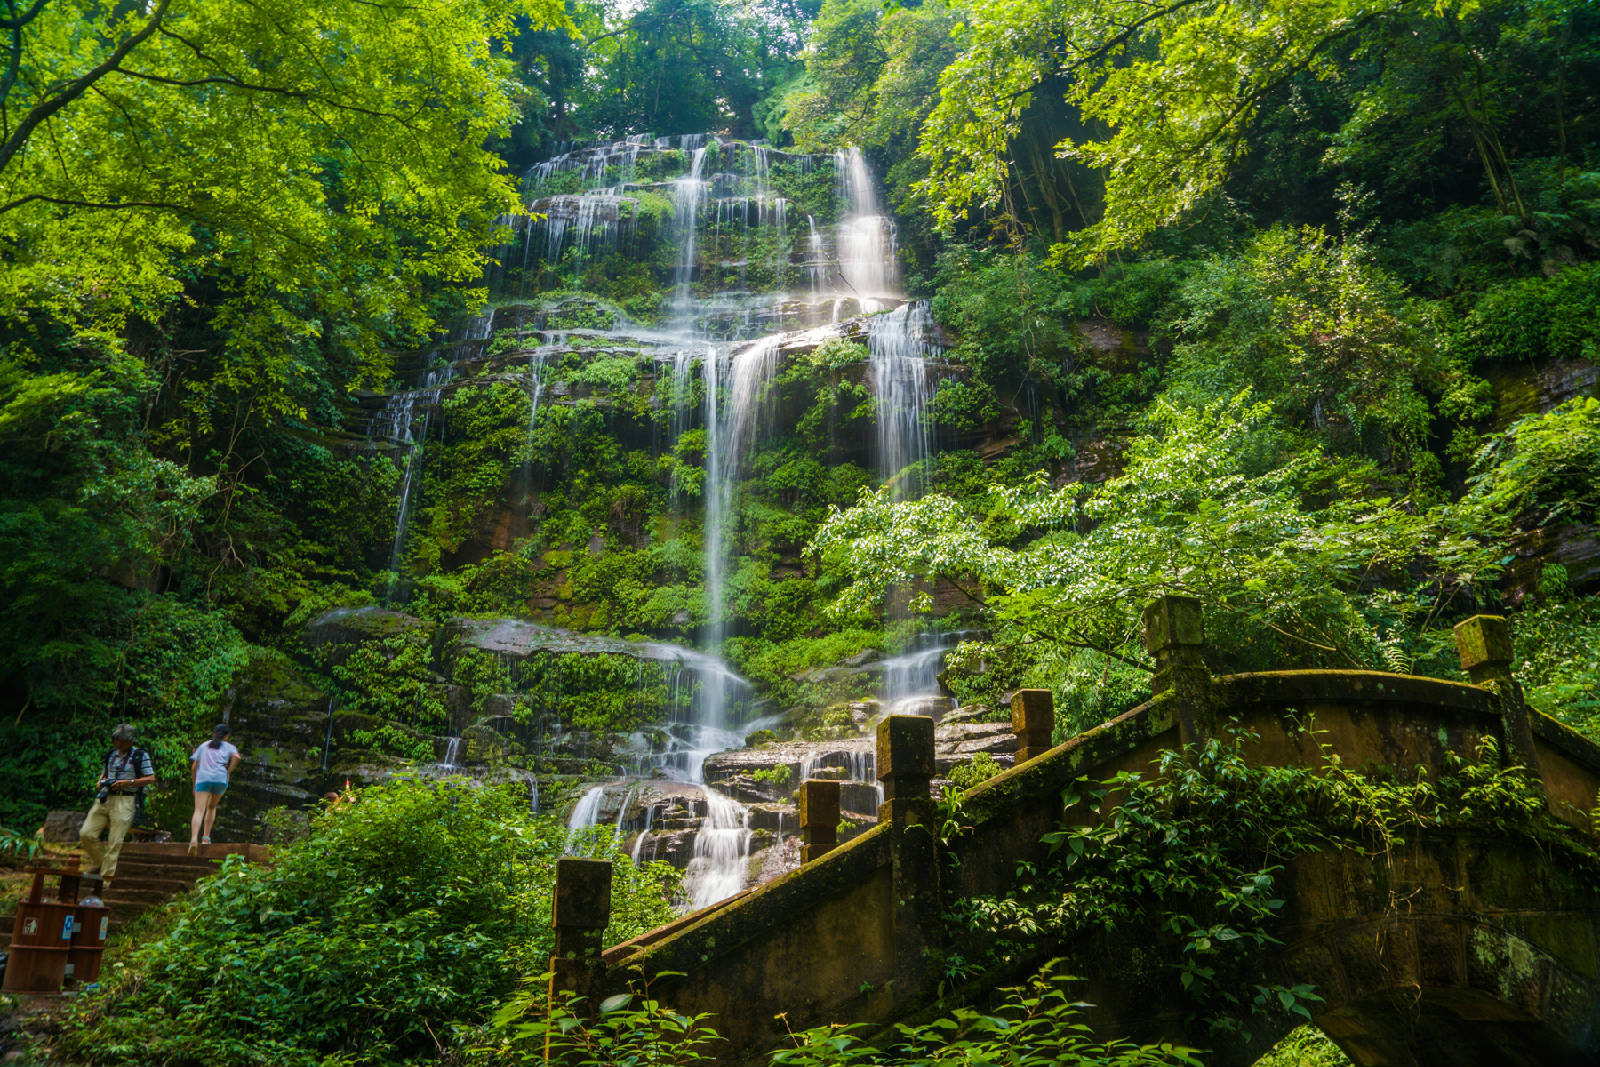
[(851, 934)]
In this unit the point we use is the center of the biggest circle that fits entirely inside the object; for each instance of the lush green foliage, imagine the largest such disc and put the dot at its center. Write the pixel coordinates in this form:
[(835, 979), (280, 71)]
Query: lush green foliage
[(1028, 1026), (404, 915), (1217, 502), (216, 219)]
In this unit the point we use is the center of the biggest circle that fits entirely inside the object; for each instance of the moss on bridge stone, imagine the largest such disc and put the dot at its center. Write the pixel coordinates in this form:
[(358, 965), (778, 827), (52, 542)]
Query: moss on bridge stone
[(1435, 923)]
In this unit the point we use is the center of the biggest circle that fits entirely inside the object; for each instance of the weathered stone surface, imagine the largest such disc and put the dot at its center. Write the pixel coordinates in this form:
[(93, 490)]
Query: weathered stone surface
[(771, 773), (348, 626), (1172, 622), (957, 742), (905, 755), (1033, 719), (1484, 641), (62, 827), (1525, 390), (1572, 546)]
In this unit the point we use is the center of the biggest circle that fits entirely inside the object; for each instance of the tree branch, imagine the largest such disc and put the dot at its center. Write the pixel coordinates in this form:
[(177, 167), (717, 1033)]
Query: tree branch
[(106, 204), (17, 22), (79, 86)]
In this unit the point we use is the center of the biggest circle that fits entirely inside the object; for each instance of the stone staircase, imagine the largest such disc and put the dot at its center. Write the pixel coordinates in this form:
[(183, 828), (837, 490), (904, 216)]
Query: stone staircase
[(150, 874)]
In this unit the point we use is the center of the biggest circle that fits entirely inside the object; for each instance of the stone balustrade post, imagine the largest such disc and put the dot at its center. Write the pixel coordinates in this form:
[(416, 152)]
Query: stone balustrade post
[(905, 760), (1033, 720), (1175, 639), (1484, 642), (581, 912), (905, 765), (819, 818)]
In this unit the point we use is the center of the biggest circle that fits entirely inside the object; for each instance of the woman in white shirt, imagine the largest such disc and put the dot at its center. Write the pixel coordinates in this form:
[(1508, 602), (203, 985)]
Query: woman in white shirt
[(211, 763)]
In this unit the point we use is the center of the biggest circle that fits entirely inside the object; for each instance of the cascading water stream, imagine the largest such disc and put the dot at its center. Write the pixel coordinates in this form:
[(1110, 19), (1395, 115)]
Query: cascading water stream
[(721, 852), (866, 238), (688, 193), (449, 762), (898, 350), (730, 229), (585, 813)]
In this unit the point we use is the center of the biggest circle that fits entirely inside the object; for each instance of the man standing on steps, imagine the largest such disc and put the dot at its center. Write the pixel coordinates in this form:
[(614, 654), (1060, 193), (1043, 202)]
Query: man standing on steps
[(124, 773)]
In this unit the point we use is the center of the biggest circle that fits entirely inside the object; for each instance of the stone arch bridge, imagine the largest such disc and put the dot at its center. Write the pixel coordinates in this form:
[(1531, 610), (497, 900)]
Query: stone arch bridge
[(1460, 948)]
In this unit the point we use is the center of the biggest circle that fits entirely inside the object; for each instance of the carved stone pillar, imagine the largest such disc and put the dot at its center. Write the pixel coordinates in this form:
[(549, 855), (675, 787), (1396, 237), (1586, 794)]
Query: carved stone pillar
[(1033, 720), (1175, 639)]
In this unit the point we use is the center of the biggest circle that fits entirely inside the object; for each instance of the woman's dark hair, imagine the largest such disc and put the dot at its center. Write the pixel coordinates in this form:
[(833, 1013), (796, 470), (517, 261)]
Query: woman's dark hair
[(218, 732)]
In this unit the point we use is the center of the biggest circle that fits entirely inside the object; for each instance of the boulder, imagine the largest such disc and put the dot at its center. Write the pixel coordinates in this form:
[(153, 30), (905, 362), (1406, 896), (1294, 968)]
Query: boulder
[(1572, 545), (350, 626), (960, 736), (63, 827)]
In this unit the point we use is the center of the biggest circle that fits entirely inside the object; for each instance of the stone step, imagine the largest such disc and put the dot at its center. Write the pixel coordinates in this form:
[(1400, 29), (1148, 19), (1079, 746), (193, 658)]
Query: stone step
[(149, 874), (179, 850), (121, 887), (190, 869), (146, 897)]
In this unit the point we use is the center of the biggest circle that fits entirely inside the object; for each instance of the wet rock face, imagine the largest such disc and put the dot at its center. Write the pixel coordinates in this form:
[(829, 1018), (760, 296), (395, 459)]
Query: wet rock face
[(346, 628), (963, 734), (771, 773), (1522, 390), (62, 827), (1575, 546)]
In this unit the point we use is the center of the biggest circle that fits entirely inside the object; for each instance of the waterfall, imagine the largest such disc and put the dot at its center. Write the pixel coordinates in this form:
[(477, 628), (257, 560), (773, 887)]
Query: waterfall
[(898, 349), (731, 233), (638, 842), (911, 679), (859, 764), (396, 424), (449, 763), (585, 813), (721, 852), (688, 193), (866, 238), (730, 430)]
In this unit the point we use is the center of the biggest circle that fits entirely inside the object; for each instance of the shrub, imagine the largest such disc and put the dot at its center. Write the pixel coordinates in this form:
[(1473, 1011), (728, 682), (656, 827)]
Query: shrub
[(1030, 1026), (1542, 467), (399, 917), (978, 769), (1537, 318)]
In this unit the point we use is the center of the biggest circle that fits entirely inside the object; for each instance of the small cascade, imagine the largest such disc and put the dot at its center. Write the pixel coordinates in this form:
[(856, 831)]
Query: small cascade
[(866, 237), (533, 796), (449, 762), (406, 416), (911, 679), (859, 764), (585, 814), (537, 361), (898, 347), (721, 852), (327, 737), (398, 424), (637, 852)]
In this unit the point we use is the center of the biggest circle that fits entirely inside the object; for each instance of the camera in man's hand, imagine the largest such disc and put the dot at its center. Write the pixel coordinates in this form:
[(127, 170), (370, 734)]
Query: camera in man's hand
[(104, 794)]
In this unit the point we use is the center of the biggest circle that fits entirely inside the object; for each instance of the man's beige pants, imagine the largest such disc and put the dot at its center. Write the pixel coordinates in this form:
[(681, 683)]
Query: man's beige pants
[(115, 815)]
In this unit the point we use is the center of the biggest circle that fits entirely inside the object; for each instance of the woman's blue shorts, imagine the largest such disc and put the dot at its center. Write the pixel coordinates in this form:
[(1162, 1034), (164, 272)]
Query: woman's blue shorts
[(211, 787)]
